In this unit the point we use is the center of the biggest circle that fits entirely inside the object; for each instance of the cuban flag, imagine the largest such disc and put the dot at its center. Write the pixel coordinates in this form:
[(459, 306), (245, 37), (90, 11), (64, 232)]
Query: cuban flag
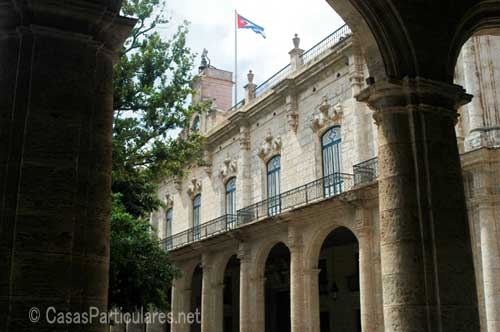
[(243, 23)]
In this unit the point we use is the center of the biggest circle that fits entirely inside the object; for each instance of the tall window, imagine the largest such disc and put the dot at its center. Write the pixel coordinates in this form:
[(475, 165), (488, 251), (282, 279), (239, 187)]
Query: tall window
[(231, 202), (168, 228), (196, 216), (330, 144), (273, 185)]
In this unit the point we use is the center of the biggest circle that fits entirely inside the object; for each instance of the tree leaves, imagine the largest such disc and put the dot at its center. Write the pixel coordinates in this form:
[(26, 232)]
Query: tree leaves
[(152, 88)]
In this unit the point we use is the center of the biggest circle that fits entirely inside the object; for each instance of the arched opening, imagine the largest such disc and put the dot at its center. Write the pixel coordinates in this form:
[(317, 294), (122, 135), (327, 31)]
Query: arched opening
[(478, 71), (338, 282), (277, 289), (196, 286), (231, 311)]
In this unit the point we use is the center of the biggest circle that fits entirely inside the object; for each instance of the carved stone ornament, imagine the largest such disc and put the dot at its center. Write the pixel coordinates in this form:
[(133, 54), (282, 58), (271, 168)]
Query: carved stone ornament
[(207, 163), (328, 116), (194, 188), (228, 168), (270, 147), (169, 201), (292, 113)]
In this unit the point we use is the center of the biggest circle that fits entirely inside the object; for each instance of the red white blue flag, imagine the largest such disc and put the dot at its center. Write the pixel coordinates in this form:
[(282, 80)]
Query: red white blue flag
[(244, 23)]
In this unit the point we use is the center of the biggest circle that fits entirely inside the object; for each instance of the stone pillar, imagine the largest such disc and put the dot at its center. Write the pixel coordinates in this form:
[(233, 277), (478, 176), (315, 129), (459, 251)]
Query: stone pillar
[(296, 53), (207, 296), (245, 278), (244, 185), (369, 319), (296, 280), (362, 127), (425, 243), (56, 110), (181, 296), (475, 135), (312, 299), (490, 256), (218, 293), (258, 307)]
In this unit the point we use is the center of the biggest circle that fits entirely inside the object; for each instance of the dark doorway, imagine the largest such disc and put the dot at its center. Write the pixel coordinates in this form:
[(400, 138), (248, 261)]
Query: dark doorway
[(196, 285), (339, 282), (277, 289), (232, 295)]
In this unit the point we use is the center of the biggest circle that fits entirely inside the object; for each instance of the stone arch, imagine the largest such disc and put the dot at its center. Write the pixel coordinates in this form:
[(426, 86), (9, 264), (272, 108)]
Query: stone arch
[(263, 253), (318, 238), (220, 265), (484, 18), (187, 270), (383, 58)]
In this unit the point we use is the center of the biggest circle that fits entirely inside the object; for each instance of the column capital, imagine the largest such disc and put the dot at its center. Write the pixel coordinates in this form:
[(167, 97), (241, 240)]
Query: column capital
[(395, 94), (99, 20)]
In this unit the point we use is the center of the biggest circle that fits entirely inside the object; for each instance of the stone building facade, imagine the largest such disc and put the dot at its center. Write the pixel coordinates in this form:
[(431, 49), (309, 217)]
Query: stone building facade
[(280, 230)]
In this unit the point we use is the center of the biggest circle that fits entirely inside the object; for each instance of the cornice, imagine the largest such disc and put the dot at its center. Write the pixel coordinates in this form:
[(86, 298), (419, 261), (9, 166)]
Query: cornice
[(275, 97)]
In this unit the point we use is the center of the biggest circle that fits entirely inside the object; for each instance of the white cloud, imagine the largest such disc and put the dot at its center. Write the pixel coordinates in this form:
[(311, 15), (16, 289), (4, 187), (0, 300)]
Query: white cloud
[(212, 27)]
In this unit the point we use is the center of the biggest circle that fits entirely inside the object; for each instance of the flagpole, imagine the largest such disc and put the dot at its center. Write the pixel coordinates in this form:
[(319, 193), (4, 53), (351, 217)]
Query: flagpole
[(235, 57)]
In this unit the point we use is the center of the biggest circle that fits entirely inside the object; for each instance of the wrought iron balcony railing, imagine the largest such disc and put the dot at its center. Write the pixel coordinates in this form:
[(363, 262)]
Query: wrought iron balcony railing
[(311, 192), (366, 171), (331, 40), (323, 188), (310, 55), (203, 231)]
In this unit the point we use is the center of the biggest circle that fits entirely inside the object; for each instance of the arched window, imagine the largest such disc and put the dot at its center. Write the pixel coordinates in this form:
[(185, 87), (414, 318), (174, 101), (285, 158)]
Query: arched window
[(273, 185), (330, 146), (196, 216), (168, 227), (231, 202)]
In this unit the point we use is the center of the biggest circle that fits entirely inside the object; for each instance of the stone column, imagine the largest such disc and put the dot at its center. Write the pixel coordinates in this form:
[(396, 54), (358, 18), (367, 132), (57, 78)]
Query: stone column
[(258, 307), (181, 296), (245, 277), (475, 135), (244, 185), (490, 256), (218, 293), (369, 320), (362, 127), (56, 110), (425, 243), (296, 280), (207, 296), (312, 300)]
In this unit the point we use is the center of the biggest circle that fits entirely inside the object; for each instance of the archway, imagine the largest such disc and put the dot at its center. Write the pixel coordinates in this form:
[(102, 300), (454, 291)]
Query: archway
[(338, 282), (277, 289), (196, 288), (231, 297)]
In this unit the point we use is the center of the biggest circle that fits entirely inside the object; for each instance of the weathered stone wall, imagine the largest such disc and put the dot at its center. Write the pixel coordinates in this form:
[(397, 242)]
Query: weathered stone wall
[(329, 80)]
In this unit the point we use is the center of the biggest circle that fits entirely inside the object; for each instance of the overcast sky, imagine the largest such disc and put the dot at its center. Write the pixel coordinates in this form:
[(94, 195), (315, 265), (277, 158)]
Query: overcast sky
[(212, 27)]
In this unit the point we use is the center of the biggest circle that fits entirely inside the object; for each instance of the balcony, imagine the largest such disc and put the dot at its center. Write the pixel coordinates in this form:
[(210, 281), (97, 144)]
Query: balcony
[(312, 192)]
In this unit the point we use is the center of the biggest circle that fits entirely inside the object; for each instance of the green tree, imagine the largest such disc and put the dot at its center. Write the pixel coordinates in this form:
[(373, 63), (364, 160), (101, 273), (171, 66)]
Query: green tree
[(152, 85), (140, 270)]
